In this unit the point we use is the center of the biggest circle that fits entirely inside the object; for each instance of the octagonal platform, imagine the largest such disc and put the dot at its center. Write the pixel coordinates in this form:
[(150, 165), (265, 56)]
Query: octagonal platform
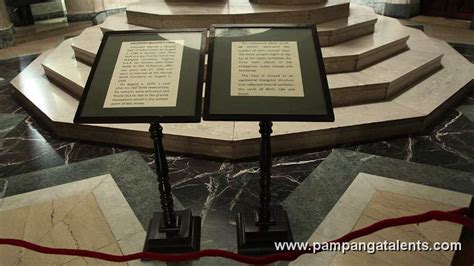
[(385, 80)]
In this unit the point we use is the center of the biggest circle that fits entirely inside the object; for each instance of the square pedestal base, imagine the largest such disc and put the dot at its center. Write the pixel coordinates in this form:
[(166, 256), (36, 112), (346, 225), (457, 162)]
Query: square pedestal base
[(254, 239), (186, 239)]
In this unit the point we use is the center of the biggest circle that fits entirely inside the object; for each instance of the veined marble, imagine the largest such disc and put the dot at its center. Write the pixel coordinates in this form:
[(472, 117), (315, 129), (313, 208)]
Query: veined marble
[(372, 198), (391, 69)]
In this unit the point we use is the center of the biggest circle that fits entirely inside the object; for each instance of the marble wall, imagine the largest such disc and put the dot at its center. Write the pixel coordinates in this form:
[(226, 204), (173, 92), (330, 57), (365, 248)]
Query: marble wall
[(393, 8), (6, 27)]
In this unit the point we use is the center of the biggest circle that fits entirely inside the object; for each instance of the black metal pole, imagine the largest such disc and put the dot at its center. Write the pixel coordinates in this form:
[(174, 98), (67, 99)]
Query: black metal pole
[(169, 216), (265, 214), (257, 232)]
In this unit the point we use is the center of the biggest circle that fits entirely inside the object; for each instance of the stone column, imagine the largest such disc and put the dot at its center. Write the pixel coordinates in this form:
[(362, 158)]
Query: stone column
[(82, 10), (7, 37), (402, 8)]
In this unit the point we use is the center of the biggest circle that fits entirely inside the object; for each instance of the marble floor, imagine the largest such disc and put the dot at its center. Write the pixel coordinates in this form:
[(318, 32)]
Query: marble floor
[(66, 186), (372, 198), (33, 161)]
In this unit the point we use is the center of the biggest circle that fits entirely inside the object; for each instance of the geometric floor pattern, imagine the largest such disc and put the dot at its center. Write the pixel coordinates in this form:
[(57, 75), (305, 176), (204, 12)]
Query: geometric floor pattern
[(309, 185), (370, 199), (59, 208), (89, 214)]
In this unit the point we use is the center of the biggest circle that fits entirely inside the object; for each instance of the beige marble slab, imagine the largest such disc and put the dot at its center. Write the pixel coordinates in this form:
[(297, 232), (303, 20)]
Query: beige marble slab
[(64, 69), (162, 14), (71, 221), (429, 94), (88, 214), (87, 44), (386, 204), (119, 22), (161, 7), (360, 22), (49, 100), (386, 32), (346, 118), (50, 194), (12, 225), (384, 79), (370, 198), (357, 14), (354, 88), (403, 114), (285, 2)]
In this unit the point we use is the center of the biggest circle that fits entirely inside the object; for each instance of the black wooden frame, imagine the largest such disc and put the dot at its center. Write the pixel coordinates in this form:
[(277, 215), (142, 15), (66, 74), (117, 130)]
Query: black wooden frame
[(329, 117), (146, 119)]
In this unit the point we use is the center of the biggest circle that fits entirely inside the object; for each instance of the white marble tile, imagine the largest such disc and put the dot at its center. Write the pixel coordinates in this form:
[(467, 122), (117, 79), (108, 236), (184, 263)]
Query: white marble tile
[(61, 65), (87, 44), (117, 212), (134, 244), (347, 212), (51, 193), (119, 22), (430, 93), (88, 214)]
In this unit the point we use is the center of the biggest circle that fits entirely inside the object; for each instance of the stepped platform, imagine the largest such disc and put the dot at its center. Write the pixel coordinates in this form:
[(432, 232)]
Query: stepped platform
[(166, 14), (385, 81), (361, 22)]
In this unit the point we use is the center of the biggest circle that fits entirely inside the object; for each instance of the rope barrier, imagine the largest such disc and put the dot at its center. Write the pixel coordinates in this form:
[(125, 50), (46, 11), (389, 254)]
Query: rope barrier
[(454, 216)]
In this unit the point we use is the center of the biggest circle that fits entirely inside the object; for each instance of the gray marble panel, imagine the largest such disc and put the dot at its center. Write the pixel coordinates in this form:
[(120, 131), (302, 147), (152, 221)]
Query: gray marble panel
[(8, 122), (310, 202), (467, 111), (131, 173)]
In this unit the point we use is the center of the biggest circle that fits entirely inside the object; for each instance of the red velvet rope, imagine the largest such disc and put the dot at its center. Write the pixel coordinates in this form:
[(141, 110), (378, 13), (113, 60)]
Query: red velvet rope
[(455, 216)]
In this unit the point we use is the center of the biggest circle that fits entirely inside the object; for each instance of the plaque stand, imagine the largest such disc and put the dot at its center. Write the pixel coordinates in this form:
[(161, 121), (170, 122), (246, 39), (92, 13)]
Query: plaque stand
[(169, 231), (257, 232)]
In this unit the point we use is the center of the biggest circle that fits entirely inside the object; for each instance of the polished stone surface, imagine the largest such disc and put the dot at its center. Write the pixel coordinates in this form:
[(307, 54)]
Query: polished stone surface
[(330, 179), (371, 198), (467, 50), (133, 176), (88, 214), (377, 101), (218, 189), (33, 158), (7, 123)]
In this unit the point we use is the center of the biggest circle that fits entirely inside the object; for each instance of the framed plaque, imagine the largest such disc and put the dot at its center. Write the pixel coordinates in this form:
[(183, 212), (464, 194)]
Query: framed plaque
[(266, 73), (144, 77)]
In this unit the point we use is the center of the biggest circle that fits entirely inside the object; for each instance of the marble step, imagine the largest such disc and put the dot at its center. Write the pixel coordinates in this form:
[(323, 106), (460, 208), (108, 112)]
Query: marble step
[(87, 44), (61, 67), (348, 56), (163, 14), (29, 33), (409, 112), (386, 41), (374, 83), (434, 95), (360, 22), (118, 22), (383, 80)]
